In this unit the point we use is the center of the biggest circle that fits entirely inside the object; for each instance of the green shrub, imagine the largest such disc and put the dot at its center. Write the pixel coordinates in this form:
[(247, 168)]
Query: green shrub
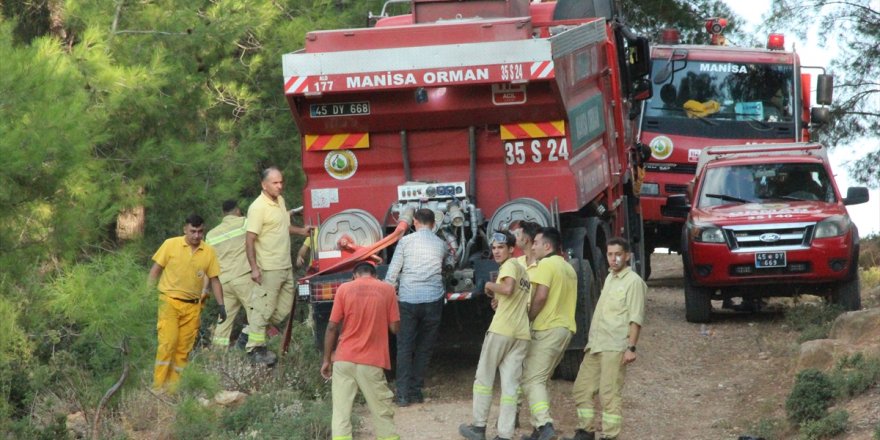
[(199, 382), (281, 414), (768, 428), (193, 420), (877, 431), (812, 320), (810, 397), (826, 427), (853, 375)]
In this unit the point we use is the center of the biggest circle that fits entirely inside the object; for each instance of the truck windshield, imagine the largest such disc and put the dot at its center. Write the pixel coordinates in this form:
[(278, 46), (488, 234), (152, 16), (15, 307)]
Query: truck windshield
[(723, 100), (757, 183)]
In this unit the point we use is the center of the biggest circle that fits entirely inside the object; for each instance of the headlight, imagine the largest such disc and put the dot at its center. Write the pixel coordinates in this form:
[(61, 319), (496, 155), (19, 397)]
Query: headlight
[(650, 189), (706, 233), (833, 226)]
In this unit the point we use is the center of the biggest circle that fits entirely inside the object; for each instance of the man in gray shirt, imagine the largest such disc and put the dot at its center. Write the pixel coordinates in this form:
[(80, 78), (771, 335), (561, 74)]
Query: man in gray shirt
[(416, 267)]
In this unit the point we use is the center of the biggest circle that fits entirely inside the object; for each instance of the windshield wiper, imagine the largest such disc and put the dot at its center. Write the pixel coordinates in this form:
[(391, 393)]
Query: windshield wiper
[(728, 198)]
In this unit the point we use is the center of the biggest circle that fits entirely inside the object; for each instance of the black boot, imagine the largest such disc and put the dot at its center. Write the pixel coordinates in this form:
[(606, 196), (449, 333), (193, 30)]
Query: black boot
[(533, 436), (547, 432), (580, 434), (472, 432)]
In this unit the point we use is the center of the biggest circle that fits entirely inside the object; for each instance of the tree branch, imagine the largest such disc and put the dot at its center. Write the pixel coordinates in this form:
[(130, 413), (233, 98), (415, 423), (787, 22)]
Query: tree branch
[(96, 423)]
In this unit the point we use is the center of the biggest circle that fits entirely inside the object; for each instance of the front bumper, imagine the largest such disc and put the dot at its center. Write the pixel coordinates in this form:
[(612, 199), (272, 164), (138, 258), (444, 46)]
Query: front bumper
[(826, 260)]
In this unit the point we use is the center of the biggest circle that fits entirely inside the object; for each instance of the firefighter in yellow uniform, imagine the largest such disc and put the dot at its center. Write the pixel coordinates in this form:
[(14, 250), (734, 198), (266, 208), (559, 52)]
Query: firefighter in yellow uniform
[(554, 283), (613, 335), (227, 239), (179, 266), (267, 245), (505, 344)]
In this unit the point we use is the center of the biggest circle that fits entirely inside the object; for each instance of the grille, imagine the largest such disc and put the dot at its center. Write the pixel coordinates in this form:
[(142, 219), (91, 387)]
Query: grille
[(755, 238), (672, 188)]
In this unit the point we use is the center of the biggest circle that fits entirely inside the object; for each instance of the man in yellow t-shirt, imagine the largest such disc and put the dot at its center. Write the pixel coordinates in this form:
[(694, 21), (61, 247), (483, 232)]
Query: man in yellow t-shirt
[(552, 313), (613, 335), (267, 245), (179, 266), (227, 239), (506, 342)]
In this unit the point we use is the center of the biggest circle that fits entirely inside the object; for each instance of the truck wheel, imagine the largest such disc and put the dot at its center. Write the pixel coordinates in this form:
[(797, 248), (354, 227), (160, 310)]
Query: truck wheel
[(697, 302), (569, 365), (848, 294)]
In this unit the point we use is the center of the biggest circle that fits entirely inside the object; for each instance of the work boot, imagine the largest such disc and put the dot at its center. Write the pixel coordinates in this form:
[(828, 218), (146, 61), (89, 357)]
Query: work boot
[(261, 355), (500, 438), (417, 397), (472, 432), (401, 402), (547, 432), (532, 436), (580, 434), (241, 342)]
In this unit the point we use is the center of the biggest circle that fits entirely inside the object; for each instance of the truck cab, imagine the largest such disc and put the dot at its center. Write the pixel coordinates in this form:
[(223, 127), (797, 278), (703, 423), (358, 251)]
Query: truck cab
[(767, 221)]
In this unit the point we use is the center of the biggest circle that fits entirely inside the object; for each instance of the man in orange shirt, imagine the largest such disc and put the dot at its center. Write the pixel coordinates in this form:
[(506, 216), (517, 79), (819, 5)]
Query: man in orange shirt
[(366, 309)]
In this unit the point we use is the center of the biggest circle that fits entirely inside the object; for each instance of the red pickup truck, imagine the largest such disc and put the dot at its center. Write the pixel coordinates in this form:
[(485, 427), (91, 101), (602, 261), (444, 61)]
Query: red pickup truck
[(767, 220)]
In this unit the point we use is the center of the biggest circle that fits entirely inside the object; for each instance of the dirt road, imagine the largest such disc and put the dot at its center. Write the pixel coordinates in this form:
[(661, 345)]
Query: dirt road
[(684, 385)]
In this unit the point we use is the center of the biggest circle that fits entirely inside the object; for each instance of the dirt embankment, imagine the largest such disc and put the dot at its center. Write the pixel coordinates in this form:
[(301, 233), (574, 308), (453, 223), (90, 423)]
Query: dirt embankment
[(690, 381)]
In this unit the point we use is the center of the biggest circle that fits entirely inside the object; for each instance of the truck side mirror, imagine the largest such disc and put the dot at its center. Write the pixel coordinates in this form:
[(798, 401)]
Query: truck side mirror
[(820, 116), (856, 195), (824, 89), (676, 206)]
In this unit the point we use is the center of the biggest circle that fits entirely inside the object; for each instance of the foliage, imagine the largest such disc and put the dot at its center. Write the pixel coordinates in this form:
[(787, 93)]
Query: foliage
[(768, 428), (853, 375), (689, 18), (826, 427), (869, 255), (193, 420), (855, 26), (280, 414), (812, 320), (877, 431), (810, 397)]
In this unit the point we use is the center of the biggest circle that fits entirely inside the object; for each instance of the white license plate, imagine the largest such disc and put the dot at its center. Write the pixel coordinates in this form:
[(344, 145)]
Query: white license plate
[(769, 259)]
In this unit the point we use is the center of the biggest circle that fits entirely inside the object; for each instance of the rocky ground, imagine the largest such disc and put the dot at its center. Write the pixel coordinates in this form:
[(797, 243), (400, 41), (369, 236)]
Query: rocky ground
[(689, 382)]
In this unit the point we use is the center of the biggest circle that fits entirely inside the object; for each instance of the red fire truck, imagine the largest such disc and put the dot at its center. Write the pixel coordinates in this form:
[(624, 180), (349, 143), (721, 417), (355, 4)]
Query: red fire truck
[(485, 112), (717, 95)]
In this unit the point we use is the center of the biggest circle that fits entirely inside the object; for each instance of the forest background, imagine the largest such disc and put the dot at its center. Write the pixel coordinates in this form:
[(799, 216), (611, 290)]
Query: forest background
[(121, 114)]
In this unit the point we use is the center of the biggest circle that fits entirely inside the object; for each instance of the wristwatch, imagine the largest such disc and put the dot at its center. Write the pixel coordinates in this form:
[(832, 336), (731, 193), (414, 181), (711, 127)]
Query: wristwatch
[(632, 348)]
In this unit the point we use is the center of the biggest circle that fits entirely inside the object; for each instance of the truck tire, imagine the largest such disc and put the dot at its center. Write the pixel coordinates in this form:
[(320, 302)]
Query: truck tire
[(848, 294), (569, 365), (697, 302)]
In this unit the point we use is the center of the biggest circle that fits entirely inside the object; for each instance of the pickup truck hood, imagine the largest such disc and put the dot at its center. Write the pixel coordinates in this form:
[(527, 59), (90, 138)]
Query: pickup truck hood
[(771, 212)]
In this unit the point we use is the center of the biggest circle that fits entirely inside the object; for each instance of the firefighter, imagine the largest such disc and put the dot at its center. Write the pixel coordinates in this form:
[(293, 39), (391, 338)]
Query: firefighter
[(366, 310), (179, 267), (228, 238), (267, 245), (614, 333), (505, 344), (554, 283)]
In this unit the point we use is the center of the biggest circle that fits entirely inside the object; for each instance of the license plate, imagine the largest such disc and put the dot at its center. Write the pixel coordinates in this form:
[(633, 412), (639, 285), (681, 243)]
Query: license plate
[(339, 109), (769, 259)]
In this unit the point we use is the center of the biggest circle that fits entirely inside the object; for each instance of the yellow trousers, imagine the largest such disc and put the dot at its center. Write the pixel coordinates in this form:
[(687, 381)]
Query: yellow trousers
[(270, 303), (236, 294), (602, 374), (177, 327), (545, 352), (348, 377), (504, 355)]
